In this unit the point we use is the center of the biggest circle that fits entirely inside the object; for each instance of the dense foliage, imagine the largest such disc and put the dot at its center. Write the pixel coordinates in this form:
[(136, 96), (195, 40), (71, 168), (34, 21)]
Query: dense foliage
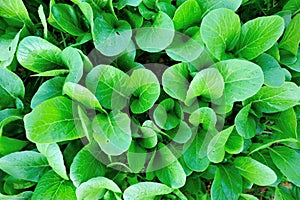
[(149, 99)]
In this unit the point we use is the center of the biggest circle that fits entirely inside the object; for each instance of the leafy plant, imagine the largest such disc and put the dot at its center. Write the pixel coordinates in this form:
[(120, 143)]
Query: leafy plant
[(149, 99)]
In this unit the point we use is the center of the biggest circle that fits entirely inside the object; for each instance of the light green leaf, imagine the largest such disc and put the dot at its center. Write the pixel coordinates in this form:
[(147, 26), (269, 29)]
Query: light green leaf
[(187, 14), (282, 193), (227, 183), (86, 165), (110, 38), (271, 99), (245, 123), (205, 116), (220, 31), (146, 90), (66, 18), (195, 151), (55, 158), (208, 83), (216, 147), (52, 121), (82, 95), (49, 89), (168, 114), (38, 55), (52, 186), (110, 86), (136, 157), (270, 66), (11, 88), (291, 38), (259, 35), (22, 196), (248, 197), (146, 190), (175, 81), (43, 19), (54, 72), (123, 3), (287, 160), (255, 171), (242, 78), (209, 5), (235, 143), (112, 132), (158, 36), (167, 168), (10, 145), (26, 165), (148, 137), (15, 10), (181, 134), (72, 59), (95, 188)]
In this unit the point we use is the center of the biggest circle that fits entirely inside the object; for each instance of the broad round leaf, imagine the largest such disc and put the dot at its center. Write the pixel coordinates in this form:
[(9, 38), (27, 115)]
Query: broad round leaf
[(255, 171), (111, 39), (112, 132), (52, 121), (146, 90), (38, 55), (94, 188), (220, 30), (146, 190), (158, 36), (259, 35), (110, 86)]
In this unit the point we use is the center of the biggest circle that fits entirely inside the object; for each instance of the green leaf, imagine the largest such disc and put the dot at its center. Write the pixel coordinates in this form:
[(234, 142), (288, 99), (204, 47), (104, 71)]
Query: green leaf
[(248, 197), (293, 6), (11, 145), (270, 66), (195, 151), (168, 114), (146, 90), (242, 78), (148, 137), (112, 132), (255, 171), (245, 123), (66, 18), (146, 190), (271, 99), (110, 86), (208, 83), (26, 165), (287, 160), (235, 143), (291, 38), (136, 157), (54, 157), (38, 55), (259, 35), (209, 5), (43, 19), (205, 116), (86, 165), (15, 10), (52, 121), (175, 81), (227, 183), (216, 147), (54, 72), (187, 14), (285, 124), (158, 36), (123, 3), (11, 88), (186, 47), (49, 89), (167, 168), (52, 186), (95, 188), (22, 196), (220, 30), (72, 59), (181, 134), (82, 95), (282, 193), (110, 38)]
